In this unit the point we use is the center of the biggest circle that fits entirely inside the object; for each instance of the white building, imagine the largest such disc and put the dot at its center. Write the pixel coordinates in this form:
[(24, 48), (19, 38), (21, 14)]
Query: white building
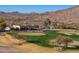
[(7, 28), (16, 26)]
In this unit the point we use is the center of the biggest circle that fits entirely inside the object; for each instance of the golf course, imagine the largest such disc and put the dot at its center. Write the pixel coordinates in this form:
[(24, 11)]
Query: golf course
[(44, 38)]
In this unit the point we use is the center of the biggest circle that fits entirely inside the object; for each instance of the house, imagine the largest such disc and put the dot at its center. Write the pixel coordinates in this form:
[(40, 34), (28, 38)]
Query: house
[(7, 29), (33, 28), (16, 27), (24, 28)]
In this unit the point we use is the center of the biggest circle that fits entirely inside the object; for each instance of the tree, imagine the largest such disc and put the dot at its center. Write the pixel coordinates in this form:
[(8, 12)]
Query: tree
[(63, 41), (47, 23), (2, 24), (55, 23)]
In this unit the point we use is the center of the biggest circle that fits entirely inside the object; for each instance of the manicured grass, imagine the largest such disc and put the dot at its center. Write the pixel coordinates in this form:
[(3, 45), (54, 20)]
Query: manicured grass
[(74, 37), (43, 40), (40, 40), (31, 34)]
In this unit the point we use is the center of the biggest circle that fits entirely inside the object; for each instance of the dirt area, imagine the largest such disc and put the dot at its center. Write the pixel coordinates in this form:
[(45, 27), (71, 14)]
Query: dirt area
[(71, 51)]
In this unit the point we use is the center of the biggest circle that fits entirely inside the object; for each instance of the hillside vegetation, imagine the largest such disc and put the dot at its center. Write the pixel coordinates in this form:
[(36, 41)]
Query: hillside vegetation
[(61, 19)]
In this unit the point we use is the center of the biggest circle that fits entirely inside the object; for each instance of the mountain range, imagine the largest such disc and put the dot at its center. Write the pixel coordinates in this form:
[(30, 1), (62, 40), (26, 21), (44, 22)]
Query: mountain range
[(67, 18)]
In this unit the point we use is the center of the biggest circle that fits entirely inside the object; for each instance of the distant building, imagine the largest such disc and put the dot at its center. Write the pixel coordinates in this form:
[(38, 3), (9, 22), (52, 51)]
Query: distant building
[(7, 29), (16, 27)]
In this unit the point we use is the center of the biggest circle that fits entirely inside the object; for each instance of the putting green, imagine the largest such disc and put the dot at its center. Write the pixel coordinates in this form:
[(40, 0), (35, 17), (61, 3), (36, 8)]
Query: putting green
[(31, 34)]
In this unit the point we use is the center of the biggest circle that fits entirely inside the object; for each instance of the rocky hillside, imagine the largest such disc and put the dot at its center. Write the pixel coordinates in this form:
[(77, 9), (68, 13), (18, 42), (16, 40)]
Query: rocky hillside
[(68, 18)]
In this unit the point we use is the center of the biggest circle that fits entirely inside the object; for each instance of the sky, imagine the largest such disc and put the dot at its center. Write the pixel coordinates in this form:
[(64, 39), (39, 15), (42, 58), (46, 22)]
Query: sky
[(33, 8)]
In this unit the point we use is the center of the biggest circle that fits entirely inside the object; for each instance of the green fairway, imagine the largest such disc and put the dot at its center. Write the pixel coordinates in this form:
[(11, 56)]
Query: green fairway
[(43, 40)]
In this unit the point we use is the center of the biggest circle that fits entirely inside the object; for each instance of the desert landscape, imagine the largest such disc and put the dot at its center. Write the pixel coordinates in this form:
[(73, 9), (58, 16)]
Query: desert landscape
[(49, 32)]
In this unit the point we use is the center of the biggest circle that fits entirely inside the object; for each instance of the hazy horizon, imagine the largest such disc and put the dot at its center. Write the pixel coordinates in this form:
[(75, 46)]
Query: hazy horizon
[(33, 8)]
